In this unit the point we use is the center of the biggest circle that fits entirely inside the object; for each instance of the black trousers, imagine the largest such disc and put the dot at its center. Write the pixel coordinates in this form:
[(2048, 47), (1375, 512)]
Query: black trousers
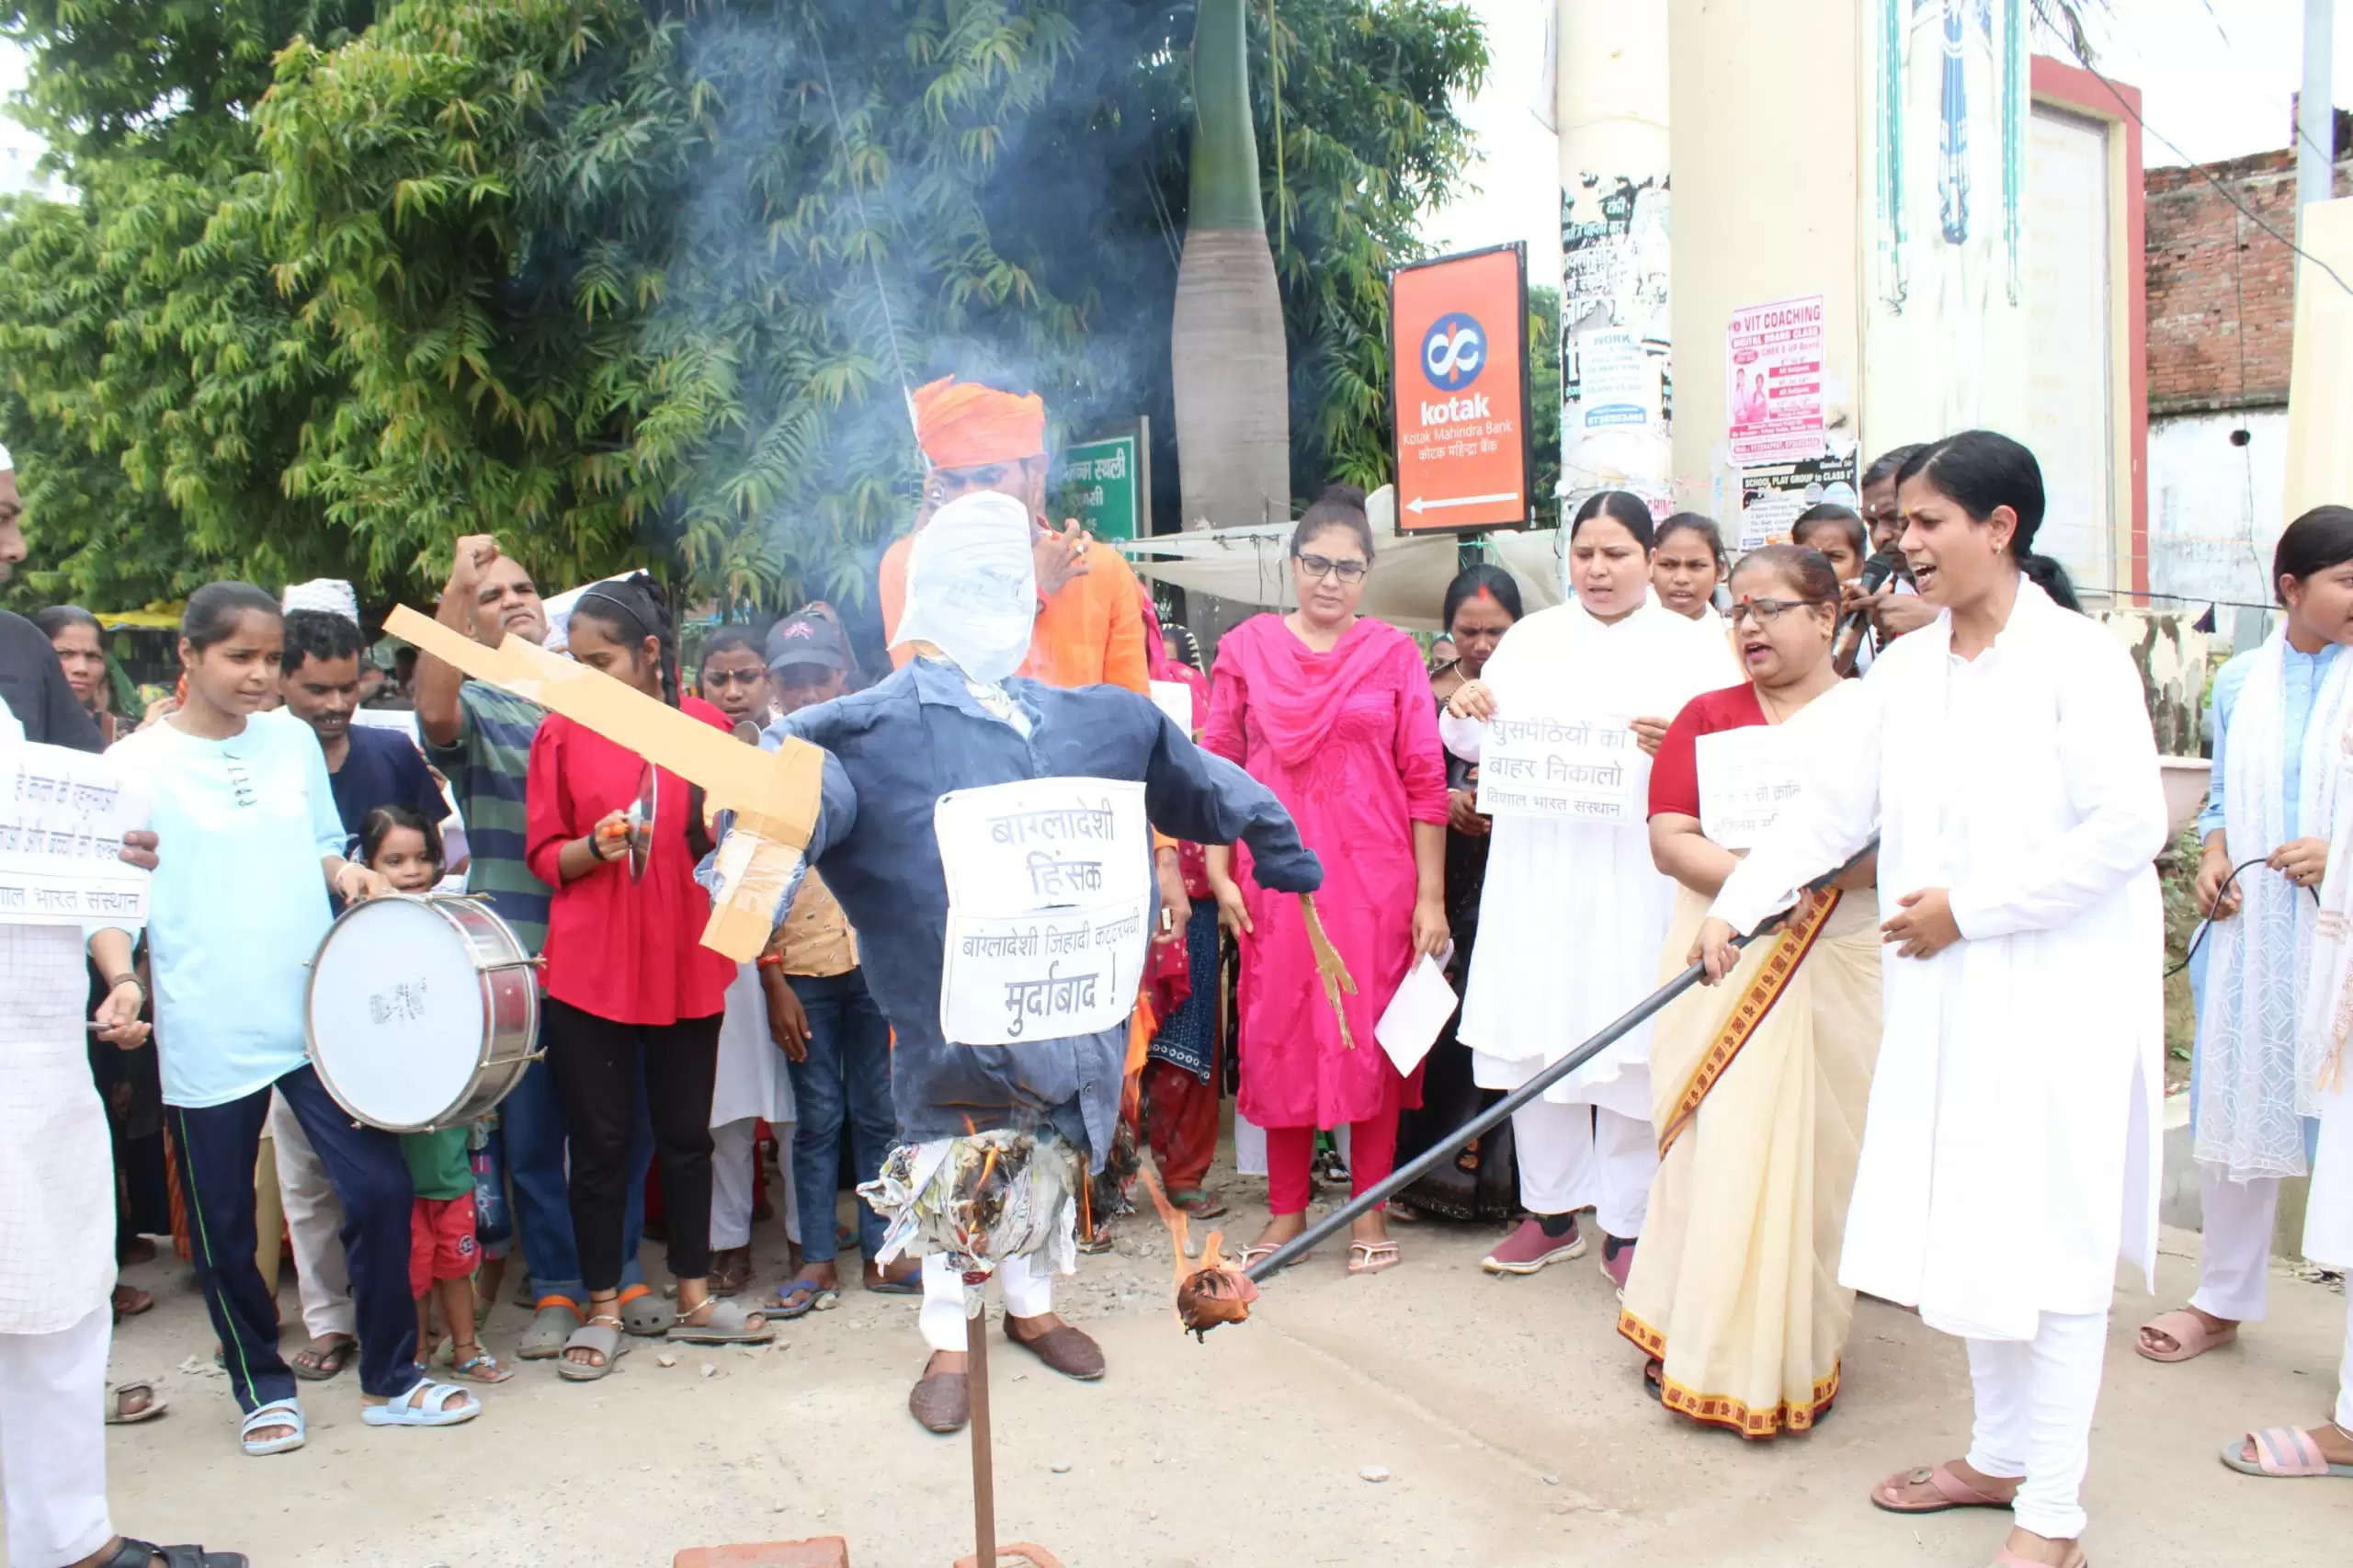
[(595, 1065)]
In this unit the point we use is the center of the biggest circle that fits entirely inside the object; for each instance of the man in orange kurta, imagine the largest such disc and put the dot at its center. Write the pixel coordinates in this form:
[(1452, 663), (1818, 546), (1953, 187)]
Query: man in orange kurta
[(1090, 624)]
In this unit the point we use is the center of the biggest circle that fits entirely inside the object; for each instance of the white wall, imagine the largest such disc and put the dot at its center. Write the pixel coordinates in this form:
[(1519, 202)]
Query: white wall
[(2216, 509)]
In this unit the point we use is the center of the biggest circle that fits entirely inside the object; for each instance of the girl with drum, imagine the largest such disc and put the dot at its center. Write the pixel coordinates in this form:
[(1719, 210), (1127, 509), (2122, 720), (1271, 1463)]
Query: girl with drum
[(235, 912), (634, 997), (399, 844)]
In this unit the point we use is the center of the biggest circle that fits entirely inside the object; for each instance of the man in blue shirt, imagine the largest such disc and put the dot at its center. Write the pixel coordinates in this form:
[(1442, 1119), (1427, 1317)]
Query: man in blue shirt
[(368, 767), (951, 721)]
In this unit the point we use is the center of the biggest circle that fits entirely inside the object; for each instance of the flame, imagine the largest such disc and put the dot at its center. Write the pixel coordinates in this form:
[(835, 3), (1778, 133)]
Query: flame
[(1216, 1291), (1169, 1216)]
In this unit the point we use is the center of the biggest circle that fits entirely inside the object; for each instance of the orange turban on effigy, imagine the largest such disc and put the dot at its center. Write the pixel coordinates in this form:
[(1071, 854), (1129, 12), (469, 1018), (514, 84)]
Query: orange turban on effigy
[(966, 425)]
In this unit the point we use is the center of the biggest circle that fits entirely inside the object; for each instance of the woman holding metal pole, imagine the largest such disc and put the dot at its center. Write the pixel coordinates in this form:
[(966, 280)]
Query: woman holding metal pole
[(2005, 757), (1757, 1086)]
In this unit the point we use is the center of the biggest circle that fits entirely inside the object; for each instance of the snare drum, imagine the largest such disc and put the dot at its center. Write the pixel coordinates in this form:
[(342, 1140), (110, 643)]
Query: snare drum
[(422, 1011)]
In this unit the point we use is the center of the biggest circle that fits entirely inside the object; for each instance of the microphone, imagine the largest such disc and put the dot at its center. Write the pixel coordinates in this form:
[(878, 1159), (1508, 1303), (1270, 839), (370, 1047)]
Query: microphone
[(1877, 570)]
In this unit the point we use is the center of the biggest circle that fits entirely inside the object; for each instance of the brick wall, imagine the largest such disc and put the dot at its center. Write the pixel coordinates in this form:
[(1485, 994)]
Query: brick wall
[(2221, 292)]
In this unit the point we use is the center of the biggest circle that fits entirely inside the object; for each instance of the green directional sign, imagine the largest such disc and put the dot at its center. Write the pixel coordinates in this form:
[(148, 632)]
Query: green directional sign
[(1107, 483)]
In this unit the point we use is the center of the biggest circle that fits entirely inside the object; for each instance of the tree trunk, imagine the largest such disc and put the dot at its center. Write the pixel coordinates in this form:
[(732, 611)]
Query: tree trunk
[(1228, 358)]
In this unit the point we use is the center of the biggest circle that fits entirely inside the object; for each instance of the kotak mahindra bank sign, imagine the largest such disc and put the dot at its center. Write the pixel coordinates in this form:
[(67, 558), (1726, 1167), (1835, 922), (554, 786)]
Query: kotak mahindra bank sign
[(1459, 368)]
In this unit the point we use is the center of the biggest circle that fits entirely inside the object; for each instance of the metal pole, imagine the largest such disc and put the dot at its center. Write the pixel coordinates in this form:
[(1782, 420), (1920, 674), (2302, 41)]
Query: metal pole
[(976, 1382), (1445, 1148), (1430, 1158), (2315, 113)]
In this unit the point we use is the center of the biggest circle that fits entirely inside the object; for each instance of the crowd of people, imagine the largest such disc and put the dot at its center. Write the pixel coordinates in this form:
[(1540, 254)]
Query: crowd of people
[(1933, 990)]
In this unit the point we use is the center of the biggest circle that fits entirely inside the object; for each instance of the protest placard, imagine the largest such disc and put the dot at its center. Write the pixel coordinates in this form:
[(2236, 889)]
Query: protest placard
[(63, 816), (1746, 777), (1562, 767), (1050, 903)]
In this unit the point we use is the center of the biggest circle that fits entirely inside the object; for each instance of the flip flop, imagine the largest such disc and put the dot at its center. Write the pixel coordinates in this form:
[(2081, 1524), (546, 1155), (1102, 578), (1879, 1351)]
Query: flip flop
[(883, 1285), (324, 1364), (2283, 1453), (800, 1299), (642, 1313), (601, 1334), (551, 1324), (277, 1413), (120, 1395), (729, 1322), (482, 1367), (2190, 1336), (1254, 1255), (134, 1553), (1198, 1202), (1374, 1258), (427, 1403)]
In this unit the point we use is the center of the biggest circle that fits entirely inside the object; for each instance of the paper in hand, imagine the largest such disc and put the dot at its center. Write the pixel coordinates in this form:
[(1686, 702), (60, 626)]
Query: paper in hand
[(1409, 1025)]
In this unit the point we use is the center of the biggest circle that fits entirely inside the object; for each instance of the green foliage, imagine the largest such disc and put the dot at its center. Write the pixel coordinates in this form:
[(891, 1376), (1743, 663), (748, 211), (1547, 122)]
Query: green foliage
[(1544, 405), (627, 282)]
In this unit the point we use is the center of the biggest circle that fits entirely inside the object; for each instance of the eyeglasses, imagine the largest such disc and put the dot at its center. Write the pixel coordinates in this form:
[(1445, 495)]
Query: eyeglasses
[(1766, 611), (1319, 566)]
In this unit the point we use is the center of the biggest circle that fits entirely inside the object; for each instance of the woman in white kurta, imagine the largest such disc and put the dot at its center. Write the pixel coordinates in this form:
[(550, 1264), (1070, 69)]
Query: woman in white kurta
[(2325, 1021), (2280, 711), (2004, 758), (1573, 912)]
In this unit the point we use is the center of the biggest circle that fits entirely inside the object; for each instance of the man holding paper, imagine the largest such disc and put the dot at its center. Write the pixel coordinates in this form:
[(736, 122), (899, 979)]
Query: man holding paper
[(1005, 942)]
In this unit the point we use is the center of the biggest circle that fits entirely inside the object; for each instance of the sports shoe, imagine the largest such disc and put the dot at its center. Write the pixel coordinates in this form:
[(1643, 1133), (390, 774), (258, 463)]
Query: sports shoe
[(1617, 1258), (1528, 1250)]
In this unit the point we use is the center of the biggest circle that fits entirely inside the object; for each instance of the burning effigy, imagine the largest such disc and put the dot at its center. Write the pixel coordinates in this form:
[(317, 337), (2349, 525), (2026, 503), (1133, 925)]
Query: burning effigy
[(979, 1199)]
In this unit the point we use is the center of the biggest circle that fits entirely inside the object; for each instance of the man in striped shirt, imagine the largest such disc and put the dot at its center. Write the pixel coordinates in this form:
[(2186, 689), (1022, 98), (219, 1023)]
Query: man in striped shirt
[(479, 737)]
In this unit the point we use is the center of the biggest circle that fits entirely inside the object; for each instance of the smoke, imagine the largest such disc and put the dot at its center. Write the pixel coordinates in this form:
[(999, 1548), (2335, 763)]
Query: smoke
[(874, 193)]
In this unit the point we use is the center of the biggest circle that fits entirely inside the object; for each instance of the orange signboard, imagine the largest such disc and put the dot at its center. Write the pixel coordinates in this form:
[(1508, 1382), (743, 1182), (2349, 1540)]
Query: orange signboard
[(1459, 387)]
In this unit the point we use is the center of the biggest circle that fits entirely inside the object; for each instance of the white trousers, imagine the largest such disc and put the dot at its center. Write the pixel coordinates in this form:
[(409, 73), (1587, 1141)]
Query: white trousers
[(2235, 1249), (1575, 1155), (733, 1151), (2034, 1416), (52, 1442), (2344, 1418), (314, 1225), (1027, 1284)]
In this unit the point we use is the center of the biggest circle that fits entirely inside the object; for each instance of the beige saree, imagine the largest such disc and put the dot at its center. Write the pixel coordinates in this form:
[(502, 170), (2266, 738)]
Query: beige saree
[(1758, 1090)]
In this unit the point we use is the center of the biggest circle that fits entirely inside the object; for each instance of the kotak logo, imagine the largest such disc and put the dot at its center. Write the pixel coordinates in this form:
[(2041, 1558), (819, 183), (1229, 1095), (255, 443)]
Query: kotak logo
[(1454, 351)]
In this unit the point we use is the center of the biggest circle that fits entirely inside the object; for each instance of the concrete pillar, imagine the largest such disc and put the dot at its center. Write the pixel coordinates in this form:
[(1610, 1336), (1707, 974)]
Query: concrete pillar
[(1615, 380)]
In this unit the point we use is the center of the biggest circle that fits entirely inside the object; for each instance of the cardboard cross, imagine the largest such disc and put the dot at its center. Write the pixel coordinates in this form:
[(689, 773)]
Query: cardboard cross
[(773, 794)]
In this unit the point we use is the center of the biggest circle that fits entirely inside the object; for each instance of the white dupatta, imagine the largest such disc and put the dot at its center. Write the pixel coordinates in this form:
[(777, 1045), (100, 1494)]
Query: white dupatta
[(2259, 1071)]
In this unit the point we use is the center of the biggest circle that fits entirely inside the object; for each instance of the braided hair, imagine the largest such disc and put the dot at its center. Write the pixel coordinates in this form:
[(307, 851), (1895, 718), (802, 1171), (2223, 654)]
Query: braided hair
[(631, 610)]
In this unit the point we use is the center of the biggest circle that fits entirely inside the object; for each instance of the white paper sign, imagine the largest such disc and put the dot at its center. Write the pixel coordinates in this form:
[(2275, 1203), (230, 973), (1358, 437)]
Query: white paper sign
[(1409, 1025), (63, 816), (400, 721), (1578, 768), (1050, 903), (1746, 777), (1175, 699)]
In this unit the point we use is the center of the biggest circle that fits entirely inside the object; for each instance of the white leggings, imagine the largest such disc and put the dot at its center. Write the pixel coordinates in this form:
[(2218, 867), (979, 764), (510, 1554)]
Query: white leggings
[(1027, 1284), (52, 1442), (1571, 1155), (2034, 1416), (2234, 1251), (733, 1150)]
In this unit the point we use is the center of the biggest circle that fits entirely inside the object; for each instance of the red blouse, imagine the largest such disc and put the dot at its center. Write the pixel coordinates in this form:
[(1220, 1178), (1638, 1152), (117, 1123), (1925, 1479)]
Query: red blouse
[(628, 951), (1675, 772)]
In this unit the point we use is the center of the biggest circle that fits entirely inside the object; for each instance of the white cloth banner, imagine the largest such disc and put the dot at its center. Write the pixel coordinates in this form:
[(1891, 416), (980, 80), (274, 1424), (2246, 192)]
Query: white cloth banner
[(1561, 766), (63, 816), (1051, 902), (1746, 777)]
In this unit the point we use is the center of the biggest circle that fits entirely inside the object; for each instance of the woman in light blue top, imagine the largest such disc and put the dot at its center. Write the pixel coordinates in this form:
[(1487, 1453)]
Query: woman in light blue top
[(235, 913), (2279, 714)]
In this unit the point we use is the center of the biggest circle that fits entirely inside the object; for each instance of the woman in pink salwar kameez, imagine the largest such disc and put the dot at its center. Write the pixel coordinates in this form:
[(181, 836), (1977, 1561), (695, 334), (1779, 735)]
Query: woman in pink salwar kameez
[(1332, 713)]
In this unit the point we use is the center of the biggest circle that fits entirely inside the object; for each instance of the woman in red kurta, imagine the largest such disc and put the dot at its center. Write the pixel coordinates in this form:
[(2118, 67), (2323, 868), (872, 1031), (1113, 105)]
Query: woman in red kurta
[(1333, 714), (631, 990)]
